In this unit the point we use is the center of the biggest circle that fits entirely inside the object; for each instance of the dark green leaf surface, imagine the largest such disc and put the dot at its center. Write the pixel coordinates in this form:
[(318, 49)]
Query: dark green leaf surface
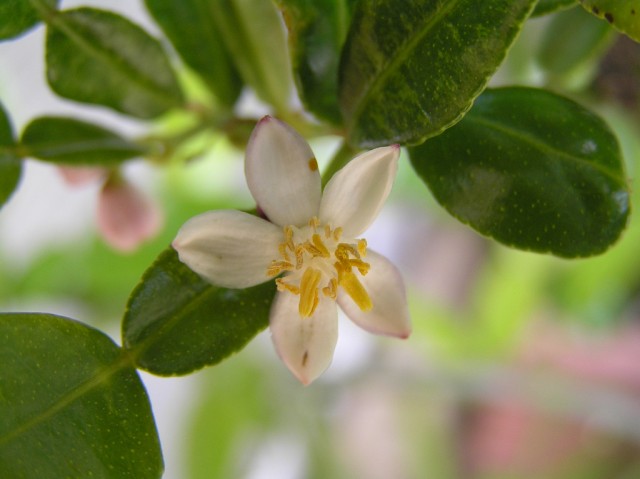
[(10, 164), (532, 170), (191, 27), (317, 31), (71, 407), (622, 14), (99, 57), (409, 72), (18, 16), (252, 31), (176, 322), (544, 7), (74, 142), (571, 39)]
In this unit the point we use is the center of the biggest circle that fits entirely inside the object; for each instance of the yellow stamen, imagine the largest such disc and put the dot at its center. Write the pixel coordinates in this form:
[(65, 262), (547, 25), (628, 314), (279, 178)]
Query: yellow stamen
[(282, 286), (331, 290), (317, 242), (314, 222), (282, 247), (355, 290), (362, 267), (327, 231), (337, 233), (309, 292), (277, 267), (362, 247)]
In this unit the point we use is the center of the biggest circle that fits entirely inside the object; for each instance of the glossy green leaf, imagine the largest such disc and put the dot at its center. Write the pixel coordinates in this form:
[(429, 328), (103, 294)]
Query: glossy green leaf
[(176, 322), (192, 28), (252, 31), (408, 73), (622, 14), (98, 57), (544, 7), (531, 169), (74, 142), (18, 16), (571, 39), (317, 31), (10, 163), (71, 405)]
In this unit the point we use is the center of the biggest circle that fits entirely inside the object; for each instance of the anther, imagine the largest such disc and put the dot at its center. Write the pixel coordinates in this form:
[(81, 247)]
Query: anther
[(362, 247)]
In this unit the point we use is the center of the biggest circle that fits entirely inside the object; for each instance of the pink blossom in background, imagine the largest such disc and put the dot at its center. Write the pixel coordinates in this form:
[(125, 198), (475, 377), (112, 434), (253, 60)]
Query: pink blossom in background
[(81, 175), (126, 217)]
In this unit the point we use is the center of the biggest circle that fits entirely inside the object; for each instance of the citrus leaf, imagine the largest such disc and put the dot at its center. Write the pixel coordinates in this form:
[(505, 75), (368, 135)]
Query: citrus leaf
[(192, 29), (317, 31), (252, 31), (544, 7), (74, 142), (624, 15), (532, 170), (176, 322), (98, 57), (71, 404), (18, 16), (408, 73), (10, 163)]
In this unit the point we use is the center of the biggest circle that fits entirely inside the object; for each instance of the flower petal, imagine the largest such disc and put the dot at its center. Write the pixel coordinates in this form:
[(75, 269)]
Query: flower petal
[(229, 248), (390, 313), (305, 345), (354, 196), (282, 173)]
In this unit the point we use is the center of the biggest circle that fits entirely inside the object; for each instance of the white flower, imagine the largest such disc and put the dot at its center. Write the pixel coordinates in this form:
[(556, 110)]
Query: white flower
[(311, 244)]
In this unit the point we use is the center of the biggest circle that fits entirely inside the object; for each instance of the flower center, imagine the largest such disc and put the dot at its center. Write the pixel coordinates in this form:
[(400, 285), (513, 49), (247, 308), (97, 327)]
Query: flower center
[(315, 261)]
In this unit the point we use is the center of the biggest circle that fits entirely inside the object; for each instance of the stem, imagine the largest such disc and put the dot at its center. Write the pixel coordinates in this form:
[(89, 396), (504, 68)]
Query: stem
[(345, 153)]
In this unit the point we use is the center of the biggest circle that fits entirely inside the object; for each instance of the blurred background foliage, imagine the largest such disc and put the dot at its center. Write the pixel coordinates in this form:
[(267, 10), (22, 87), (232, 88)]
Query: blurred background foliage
[(520, 365)]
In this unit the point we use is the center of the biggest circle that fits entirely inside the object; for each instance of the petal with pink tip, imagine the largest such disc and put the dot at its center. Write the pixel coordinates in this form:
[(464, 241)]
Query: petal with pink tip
[(354, 196), (390, 313), (126, 217), (282, 173), (305, 345), (228, 248)]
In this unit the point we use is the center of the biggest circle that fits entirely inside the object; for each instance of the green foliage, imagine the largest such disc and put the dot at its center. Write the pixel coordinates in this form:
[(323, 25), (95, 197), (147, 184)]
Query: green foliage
[(251, 30), (532, 170), (71, 404), (74, 142), (114, 63), (543, 7), (408, 73), (10, 163), (192, 28), (18, 16), (176, 322), (317, 31), (622, 14), (572, 39)]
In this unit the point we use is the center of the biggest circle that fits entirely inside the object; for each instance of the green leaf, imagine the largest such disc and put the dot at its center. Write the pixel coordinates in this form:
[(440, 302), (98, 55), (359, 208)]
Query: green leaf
[(624, 15), (531, 169), (544, 7), (252, 31), (317, 31), (10, 164), (71, 404), (408, 73), (572, 39), (18, 16), (192, 28), (176, 322), (98, 57), (75, 142)]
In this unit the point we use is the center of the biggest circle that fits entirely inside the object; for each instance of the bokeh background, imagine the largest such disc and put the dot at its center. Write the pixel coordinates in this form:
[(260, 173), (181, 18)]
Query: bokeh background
[(520, 365)]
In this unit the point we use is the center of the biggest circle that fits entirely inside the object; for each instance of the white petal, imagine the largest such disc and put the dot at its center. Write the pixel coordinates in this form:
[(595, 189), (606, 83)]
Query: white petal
[(390, 313), (282, 173), (305, 345), (229, 248), (354, 196)]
